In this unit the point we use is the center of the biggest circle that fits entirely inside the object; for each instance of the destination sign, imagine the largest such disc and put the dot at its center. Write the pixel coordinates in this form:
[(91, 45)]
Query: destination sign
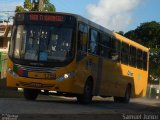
[(46, 18)]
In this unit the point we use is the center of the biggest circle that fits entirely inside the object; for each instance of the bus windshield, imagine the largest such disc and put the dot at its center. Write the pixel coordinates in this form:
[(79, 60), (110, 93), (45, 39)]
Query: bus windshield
[(42, 43)]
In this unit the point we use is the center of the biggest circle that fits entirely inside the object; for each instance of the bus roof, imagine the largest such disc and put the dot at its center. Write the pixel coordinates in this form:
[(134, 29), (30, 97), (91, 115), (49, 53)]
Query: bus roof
[(99, 27), (131, 42)]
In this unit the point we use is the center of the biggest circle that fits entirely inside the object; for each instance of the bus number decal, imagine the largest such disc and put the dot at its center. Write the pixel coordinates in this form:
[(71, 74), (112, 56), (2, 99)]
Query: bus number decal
[(130, 73), (50, 76)]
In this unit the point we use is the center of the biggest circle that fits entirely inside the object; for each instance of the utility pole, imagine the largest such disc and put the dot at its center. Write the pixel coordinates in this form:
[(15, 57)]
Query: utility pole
[(35, 5), (41, 5)]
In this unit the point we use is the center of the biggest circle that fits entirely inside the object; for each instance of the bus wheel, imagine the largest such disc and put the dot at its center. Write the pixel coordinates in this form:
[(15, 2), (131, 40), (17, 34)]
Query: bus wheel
[(30, 94), (117, 99), (126, 97), (86, 97)]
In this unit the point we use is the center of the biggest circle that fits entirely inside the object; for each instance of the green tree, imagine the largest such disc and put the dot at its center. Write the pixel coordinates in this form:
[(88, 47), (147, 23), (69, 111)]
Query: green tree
[(26, 6), (19, 9), (121, 33), (148, 34), (49, 6), (29, 6)]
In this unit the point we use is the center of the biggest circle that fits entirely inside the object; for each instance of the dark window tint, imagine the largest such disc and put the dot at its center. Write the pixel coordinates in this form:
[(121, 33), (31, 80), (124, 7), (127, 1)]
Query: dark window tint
[(83, 29), (105, 44), (144, 61), (115, 50), (125, 53), (139, 59), (132, 60), (93, 43), (43, 43)]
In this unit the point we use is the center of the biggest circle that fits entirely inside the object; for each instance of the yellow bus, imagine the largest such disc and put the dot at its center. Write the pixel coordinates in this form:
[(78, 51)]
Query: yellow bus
[(73, 56)]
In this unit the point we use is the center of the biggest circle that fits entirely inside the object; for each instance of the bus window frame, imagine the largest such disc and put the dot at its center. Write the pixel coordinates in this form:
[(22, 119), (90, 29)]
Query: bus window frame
[(96, 42), (139, 59), (132, 56), (43, 64), (80, 52), (145, 62), (125, 52), (115, 49)]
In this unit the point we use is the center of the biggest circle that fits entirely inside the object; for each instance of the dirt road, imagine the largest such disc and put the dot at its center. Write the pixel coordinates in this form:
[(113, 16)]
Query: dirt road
[(59, 108)]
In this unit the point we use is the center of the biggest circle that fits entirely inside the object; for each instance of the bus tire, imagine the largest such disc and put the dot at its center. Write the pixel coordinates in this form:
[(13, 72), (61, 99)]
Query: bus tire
[(117, 99), (126, 97), (86, 97), (30, 94)]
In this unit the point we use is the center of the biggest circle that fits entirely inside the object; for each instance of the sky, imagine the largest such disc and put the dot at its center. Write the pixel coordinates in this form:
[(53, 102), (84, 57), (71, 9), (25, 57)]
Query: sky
[(116, 15)]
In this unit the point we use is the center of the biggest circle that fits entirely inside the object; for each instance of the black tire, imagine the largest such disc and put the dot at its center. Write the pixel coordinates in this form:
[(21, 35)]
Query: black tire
[(118, 99), (86, 97), (30, 94), (46, 92), (126, 97)]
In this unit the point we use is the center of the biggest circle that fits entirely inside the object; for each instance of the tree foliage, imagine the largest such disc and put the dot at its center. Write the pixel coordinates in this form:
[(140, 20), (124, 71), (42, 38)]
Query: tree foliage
[(121, 33), (19, 9), (49, 6), (148, 34), (29, 6)]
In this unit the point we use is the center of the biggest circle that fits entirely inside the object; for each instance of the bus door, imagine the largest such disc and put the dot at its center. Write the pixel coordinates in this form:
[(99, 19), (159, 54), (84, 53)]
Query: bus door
[(87, 56), (81, 57), (94, 59)]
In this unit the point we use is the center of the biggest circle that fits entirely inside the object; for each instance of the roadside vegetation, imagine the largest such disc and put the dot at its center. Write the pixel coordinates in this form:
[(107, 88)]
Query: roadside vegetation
[(148, 34)]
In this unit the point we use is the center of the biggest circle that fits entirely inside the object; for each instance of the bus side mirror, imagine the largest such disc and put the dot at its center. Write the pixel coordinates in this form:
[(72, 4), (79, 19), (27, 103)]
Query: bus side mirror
[(84, 39)]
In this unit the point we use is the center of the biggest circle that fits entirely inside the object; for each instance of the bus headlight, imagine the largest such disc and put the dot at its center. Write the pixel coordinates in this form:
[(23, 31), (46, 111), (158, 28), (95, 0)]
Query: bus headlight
[(12, 72), (65, 76)]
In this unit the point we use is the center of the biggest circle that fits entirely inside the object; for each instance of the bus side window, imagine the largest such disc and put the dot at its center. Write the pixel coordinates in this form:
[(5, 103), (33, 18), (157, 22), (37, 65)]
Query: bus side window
[(125, 53), (83, 29), (93, 42), (105, 44), (139, 59), (11, 47), (115, 52), (144, 60), (82, 49), (132, 57), (18, 44)]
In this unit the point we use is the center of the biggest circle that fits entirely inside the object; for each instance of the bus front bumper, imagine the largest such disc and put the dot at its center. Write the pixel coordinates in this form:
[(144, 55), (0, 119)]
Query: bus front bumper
[(41, 84)]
